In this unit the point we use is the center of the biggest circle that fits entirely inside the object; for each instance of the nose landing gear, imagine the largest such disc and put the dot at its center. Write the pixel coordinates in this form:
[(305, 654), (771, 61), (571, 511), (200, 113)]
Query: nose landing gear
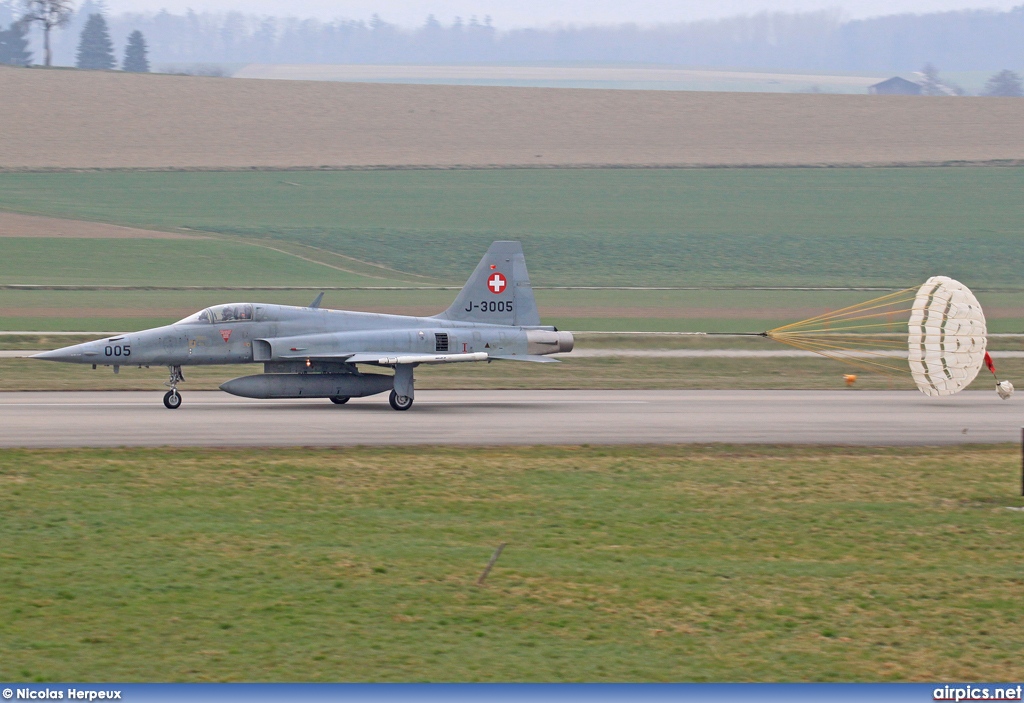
[(172, 399)]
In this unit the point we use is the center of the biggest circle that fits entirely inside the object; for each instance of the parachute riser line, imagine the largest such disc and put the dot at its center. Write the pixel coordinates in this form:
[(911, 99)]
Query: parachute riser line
[(874, 304), (942, 330)]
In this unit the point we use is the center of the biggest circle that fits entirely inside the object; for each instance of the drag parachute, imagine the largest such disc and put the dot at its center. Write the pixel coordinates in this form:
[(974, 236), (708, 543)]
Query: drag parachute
[(938, 329), (947, 337)]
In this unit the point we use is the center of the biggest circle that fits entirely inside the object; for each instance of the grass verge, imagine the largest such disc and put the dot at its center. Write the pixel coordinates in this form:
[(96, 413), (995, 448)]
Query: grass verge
[(688, 563)]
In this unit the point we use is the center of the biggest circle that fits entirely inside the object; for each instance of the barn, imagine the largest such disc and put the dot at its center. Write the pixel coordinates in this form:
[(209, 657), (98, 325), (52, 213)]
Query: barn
[(895, 86)]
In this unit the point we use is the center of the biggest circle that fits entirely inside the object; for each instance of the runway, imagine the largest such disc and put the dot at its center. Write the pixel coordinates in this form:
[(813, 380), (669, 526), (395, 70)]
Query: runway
[(105, 419)]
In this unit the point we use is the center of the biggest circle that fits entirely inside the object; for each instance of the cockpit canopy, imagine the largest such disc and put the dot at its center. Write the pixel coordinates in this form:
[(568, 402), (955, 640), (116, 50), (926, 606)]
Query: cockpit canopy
[(218, 314)]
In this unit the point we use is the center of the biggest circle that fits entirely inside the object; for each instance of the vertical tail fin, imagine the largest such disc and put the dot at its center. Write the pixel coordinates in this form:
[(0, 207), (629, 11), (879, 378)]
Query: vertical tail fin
[(498, 292)]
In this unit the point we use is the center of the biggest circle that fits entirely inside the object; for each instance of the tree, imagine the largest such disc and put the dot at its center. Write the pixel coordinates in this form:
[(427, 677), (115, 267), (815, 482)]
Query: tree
[(931, 84), (135, 60), (14, 45), (1005, 84), (48, 14), (95, 50)]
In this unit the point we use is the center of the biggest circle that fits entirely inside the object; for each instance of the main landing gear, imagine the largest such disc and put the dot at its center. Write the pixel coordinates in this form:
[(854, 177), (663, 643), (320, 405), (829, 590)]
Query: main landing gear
[(400, 402), (339, 399), (402, 395), (172, 399)]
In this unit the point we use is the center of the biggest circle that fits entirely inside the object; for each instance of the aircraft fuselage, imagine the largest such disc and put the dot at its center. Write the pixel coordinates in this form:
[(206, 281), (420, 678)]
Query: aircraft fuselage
[(281, 333)]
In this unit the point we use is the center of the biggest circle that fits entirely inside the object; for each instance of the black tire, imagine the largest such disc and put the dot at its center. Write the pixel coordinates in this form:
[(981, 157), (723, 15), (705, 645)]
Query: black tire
[(339, 399), (400, 402), (172, 400)]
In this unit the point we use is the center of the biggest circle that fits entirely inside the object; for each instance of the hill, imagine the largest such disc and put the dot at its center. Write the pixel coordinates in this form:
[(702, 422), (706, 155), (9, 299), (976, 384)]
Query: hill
[(67, 119)]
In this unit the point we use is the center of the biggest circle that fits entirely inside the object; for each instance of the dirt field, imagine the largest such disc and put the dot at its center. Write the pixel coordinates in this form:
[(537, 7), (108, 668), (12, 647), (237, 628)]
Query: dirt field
[(81, 120), (14, 225)]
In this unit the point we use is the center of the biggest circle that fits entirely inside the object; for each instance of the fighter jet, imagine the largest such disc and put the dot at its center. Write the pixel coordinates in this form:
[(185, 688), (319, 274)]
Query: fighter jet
[(314, 352)]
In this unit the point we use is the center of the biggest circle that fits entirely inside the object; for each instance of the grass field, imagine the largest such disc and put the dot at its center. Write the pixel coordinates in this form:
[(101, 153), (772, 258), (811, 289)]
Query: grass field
[(834, 227), (623, 564), (164, 262)]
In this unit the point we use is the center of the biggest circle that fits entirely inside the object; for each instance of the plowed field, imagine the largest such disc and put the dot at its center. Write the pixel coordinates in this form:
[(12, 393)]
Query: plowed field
[(64, 119)]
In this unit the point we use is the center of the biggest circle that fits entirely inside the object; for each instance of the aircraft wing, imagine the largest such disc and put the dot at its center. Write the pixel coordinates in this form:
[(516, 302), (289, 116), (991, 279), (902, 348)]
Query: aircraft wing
[(300, 355), (391, 358), (386, 358)]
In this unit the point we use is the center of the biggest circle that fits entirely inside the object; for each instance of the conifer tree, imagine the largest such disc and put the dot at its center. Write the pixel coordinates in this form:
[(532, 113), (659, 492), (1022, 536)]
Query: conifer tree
[(135, 60), (95, 50), (1005, 84), (14, 45)]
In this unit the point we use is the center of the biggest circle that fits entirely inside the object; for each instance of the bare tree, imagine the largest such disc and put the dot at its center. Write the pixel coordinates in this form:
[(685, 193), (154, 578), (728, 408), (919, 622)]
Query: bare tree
[(48, 14), (932, 84)]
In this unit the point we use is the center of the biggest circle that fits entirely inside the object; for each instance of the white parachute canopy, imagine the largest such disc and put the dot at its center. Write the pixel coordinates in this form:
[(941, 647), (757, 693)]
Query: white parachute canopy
[(947, 337), (938, 328)]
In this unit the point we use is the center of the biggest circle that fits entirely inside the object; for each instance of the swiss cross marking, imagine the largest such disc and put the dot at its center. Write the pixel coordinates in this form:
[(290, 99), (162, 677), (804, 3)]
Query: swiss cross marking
[(225, 334), (496, 283)]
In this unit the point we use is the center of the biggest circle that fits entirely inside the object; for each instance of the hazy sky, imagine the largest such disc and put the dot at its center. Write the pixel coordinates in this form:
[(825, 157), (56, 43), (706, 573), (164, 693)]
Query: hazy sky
[(519, 13)]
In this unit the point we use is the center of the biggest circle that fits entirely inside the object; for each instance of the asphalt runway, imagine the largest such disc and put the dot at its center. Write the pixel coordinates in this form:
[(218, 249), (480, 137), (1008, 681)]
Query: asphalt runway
[(211, 418)]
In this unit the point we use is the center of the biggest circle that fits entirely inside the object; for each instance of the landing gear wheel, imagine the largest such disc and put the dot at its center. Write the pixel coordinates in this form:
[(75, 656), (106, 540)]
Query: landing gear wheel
[(339, 399), (172, 400), (400, 402)]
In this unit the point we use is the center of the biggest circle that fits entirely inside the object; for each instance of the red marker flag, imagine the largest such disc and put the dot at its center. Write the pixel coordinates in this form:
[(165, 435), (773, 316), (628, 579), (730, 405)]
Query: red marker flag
[(989, 364)]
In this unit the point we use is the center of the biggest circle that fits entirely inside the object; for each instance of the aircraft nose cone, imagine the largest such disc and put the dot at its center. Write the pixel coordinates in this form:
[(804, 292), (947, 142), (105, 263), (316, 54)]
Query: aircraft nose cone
[(72, 353), (54, 355)]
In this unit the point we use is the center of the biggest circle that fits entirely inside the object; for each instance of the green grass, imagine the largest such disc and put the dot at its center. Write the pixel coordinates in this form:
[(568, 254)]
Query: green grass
[(623, 564), (891, 227), (162, 262)]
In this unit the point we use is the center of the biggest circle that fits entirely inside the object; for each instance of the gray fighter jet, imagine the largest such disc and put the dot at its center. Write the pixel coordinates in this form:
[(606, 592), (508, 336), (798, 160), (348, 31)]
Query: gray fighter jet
[(313, 352)]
